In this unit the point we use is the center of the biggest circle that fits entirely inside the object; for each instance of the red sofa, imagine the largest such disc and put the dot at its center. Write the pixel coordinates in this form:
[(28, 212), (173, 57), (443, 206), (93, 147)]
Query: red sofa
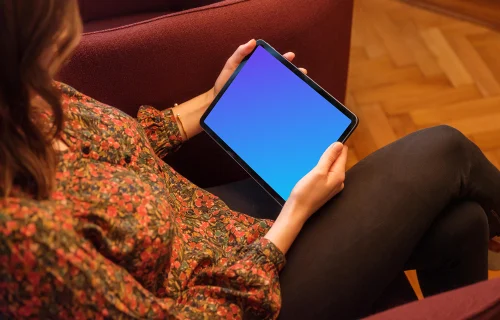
[(164, 51), (160, 52)]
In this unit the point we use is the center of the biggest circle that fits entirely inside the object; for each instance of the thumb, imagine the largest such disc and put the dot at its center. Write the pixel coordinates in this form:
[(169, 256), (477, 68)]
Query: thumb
[(240, 54), (329, 156)]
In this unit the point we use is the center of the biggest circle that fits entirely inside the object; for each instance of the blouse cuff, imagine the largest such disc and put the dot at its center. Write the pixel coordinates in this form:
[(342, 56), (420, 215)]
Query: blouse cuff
[(161, 129), (270, 252)]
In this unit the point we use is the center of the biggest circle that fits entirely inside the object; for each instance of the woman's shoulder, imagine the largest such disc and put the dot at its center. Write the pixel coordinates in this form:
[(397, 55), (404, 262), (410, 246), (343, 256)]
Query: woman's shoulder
[(23, 217), (16, 214), (66, 89), (77, 103), (70, 94), (23, 207)]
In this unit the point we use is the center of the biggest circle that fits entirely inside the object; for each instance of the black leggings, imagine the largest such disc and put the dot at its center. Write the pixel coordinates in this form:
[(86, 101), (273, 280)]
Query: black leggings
[(425, 202)]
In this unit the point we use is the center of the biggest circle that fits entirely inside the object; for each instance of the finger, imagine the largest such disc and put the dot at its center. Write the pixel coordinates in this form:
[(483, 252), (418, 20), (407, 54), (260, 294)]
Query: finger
[(340, 162), (329, 156), (240, 54), (304, 70), (289, 56)]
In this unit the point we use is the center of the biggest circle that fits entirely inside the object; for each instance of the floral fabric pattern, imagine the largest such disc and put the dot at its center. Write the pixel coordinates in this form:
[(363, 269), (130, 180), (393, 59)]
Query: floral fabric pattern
[(125, 236)]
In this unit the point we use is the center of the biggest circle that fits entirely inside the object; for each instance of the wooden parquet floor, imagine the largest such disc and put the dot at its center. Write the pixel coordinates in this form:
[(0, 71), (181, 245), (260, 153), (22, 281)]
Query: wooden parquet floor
[(411, 69), (485, 12)]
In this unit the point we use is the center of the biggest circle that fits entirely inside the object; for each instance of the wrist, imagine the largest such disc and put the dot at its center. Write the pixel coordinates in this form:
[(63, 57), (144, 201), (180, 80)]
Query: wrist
[(191, 111), (294, 212), (286, 227), (210, 96)]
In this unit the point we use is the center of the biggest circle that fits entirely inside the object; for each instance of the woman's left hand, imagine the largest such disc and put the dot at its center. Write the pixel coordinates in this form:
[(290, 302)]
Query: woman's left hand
[(191, 111), (234, 61)]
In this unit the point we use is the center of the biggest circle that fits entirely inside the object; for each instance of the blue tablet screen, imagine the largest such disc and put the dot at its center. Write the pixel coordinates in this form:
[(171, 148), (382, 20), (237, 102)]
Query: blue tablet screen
[(275, 122)]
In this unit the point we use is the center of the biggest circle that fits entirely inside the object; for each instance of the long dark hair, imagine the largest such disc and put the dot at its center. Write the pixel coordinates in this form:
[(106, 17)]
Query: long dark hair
[(35, 36)]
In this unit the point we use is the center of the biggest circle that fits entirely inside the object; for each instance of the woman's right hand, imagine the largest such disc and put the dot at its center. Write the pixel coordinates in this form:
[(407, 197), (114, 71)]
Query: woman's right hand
[(322, 183)]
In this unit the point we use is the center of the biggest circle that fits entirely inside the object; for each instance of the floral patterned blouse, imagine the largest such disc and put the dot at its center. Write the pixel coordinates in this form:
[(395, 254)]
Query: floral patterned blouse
[(125, 236)]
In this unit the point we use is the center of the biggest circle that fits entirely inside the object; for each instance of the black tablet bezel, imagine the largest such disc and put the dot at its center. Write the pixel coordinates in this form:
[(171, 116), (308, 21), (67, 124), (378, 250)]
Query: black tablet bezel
[(306, 79)]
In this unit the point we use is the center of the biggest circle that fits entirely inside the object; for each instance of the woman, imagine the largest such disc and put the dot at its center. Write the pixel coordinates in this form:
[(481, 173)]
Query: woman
[(95, 225)]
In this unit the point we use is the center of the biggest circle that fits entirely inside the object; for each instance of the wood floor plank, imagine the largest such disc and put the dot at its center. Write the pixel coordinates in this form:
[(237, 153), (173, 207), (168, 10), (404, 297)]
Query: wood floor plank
[(366, 74), (423, 57), (488, 47), (378, 124), (406, 96), (493, 157), (447, 58), (474, 64), (434, 97), (362, 140), (489, 140), (486, 12), (357, 39), (479, 124), (493, 274), (464, 109), (425, 18), (352, 158), (359, 54), (402, 125), (463, 28), (391, 37), (413, 279), (401, 92), (372, 42)]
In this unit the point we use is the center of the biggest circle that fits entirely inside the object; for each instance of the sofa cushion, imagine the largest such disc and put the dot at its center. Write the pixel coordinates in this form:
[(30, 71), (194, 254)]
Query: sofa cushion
[(179, 5), (115, 22), (102, 9)]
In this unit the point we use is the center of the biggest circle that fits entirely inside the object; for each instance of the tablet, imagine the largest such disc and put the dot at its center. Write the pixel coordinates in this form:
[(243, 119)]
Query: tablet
[(275, 121)]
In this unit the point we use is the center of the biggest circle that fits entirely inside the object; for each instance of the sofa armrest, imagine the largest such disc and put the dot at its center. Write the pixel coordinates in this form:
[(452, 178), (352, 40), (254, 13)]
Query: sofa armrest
[(480, 301), (178, 56), (98, 9)]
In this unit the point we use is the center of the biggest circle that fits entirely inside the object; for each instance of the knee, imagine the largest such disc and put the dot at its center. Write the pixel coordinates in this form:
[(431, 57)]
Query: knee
[(448, 137), (470, 224), (447, 142)]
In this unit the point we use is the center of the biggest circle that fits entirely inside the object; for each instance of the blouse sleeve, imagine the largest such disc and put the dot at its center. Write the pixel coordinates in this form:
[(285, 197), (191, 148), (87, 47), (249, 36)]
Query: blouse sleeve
[(46, 272), (161, 129)]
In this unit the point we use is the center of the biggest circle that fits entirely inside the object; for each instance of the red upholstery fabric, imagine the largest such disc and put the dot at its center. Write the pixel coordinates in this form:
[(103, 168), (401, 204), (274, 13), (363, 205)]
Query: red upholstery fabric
[(178, 5), (115, 22), (479, 302), (101, 9), (175, 57)]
